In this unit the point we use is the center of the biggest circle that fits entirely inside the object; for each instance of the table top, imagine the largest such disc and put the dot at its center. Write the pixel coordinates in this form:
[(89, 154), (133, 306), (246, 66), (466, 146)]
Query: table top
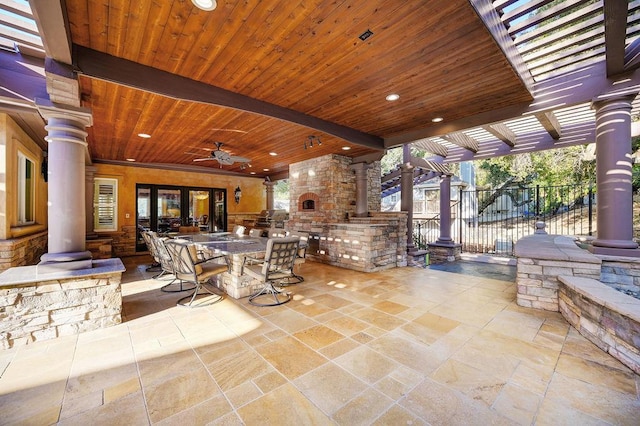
[(228, 242)]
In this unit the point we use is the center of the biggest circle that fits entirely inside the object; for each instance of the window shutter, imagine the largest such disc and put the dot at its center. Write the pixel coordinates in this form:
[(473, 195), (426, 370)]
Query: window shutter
[(105, 205)]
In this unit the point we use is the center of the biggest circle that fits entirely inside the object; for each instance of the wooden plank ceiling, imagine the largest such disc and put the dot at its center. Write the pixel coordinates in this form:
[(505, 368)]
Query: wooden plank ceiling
[(299, 56)]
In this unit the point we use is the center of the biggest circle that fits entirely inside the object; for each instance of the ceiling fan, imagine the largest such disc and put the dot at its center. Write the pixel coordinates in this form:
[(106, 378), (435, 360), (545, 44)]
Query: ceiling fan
[(223, 157)]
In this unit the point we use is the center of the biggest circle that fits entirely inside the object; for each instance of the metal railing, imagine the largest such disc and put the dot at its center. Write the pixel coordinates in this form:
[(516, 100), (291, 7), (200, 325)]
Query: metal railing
[(491, 221)]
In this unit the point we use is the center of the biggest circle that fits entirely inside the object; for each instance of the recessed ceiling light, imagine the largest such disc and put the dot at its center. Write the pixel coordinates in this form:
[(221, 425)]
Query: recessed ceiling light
[(437, 119), (392, 97), (253, 173), (265, 170), (144, 135), (346, 148), (273, 154), (131, 159), (205, 4)]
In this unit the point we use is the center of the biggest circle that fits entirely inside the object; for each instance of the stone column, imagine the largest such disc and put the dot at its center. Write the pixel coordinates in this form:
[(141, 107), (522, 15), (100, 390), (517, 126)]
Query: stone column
[(362, 189), (406, 193), (445, 211), (67, 210), (269, 188), (89, 185), (613, 178)]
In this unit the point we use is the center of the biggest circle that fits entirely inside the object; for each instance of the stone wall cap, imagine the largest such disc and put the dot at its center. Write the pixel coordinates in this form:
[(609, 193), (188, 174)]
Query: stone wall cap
[(604, 295), (28, 274), (553, 247)]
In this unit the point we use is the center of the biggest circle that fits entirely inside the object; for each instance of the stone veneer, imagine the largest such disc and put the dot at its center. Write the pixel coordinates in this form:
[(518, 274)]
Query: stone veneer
[(608, 318), (364, 244), (621, 273), (541, 258), (22, 251), (37, 307)]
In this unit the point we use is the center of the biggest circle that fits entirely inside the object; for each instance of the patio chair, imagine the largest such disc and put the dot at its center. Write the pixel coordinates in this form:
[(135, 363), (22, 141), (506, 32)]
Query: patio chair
[(300, 258), (152, 251), (189, 267), (166, 263), (277, 265)]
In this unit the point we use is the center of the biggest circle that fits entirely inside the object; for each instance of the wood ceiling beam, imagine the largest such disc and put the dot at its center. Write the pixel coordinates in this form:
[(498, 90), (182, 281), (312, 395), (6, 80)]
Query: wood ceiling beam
[(502, 132), (562, 91), (550, 123), (463, 140), (51, 17), (105, 67), (615, 25)]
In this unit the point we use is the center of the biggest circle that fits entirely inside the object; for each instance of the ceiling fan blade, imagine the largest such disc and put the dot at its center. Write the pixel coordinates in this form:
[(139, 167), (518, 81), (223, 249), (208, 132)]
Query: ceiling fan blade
[(203, 159), (225, 161), (238, 159)]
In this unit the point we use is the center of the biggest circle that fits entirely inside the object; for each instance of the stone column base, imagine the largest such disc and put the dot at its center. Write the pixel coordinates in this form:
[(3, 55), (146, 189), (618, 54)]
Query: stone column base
[(443, 253)]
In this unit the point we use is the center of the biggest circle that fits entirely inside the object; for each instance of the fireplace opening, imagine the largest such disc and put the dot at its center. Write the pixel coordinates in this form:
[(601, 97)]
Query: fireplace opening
[(308, 202)]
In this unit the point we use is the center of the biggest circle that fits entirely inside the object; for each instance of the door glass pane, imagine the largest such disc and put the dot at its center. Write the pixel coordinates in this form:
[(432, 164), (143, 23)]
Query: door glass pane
[(169, 210), (199, 214), (143, 215), (218, 207)]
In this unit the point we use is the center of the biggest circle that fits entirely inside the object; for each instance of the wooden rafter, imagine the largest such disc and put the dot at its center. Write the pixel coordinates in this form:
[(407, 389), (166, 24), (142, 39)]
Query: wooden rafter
[(431, 146), (463, 140), (615, 25), (547, 14), (632, 55), (430, 165), (502, 132), (550, 124)]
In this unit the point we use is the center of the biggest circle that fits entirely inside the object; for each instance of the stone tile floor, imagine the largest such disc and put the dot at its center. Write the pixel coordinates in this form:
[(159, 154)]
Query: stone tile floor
[(404, 346)]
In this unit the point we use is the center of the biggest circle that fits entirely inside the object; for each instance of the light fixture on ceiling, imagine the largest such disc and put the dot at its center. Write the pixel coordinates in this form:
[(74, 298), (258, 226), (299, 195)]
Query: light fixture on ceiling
[(201, 195), (346, 148), (437, 119), (309, 142), (392, 97), (273, 154), (131, 159), (237, 194), (205, 4), (144, 135)]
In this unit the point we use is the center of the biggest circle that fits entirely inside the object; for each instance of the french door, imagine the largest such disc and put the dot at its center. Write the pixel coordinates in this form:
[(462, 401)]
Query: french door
[(164, 209)]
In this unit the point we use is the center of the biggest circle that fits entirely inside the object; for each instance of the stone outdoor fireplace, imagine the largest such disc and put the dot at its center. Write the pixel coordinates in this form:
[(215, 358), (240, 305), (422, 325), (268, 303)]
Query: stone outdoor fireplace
[(322, 203)]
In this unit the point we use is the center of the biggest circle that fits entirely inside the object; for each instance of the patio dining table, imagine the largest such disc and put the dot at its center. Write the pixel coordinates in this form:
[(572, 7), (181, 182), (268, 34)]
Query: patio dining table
[(235, 247)]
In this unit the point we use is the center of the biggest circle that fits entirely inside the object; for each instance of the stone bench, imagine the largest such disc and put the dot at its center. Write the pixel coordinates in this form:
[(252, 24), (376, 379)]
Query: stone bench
[(605, 316), (541, 259)]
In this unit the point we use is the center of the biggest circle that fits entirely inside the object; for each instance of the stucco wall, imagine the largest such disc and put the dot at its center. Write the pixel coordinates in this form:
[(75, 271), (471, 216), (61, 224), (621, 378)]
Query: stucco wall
[(13, 140)]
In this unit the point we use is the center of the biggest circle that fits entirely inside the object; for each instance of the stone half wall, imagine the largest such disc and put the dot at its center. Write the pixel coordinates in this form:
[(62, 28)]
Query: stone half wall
[(39, 307), (541, 259), (22, 251)]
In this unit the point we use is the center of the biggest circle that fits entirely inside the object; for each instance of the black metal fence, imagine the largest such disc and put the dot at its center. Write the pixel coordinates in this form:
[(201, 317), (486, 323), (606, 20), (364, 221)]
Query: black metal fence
[(491, 221)]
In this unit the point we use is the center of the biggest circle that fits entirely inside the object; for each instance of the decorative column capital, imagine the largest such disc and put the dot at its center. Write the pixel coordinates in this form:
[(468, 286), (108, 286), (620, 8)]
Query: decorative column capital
[(49, 110)]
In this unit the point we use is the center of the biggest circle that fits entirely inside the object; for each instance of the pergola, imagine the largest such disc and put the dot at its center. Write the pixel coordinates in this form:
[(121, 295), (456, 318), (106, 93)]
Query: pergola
[(475, 79)]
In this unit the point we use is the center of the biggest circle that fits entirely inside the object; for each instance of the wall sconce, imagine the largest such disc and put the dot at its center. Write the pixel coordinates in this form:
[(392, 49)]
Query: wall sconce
[(237, 194), (310, 139)]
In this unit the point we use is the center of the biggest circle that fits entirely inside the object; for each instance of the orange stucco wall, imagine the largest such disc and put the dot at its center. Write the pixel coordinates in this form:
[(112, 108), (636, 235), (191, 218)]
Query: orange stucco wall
[(253, 191)]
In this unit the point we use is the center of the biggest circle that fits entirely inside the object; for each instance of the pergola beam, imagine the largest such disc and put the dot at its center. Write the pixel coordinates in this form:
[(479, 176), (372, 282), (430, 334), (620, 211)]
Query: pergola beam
[(550, 123), (431, 146), (502, 132), (54, 29), (615, 25), (562, 91), (463, 140), (632, 55)]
